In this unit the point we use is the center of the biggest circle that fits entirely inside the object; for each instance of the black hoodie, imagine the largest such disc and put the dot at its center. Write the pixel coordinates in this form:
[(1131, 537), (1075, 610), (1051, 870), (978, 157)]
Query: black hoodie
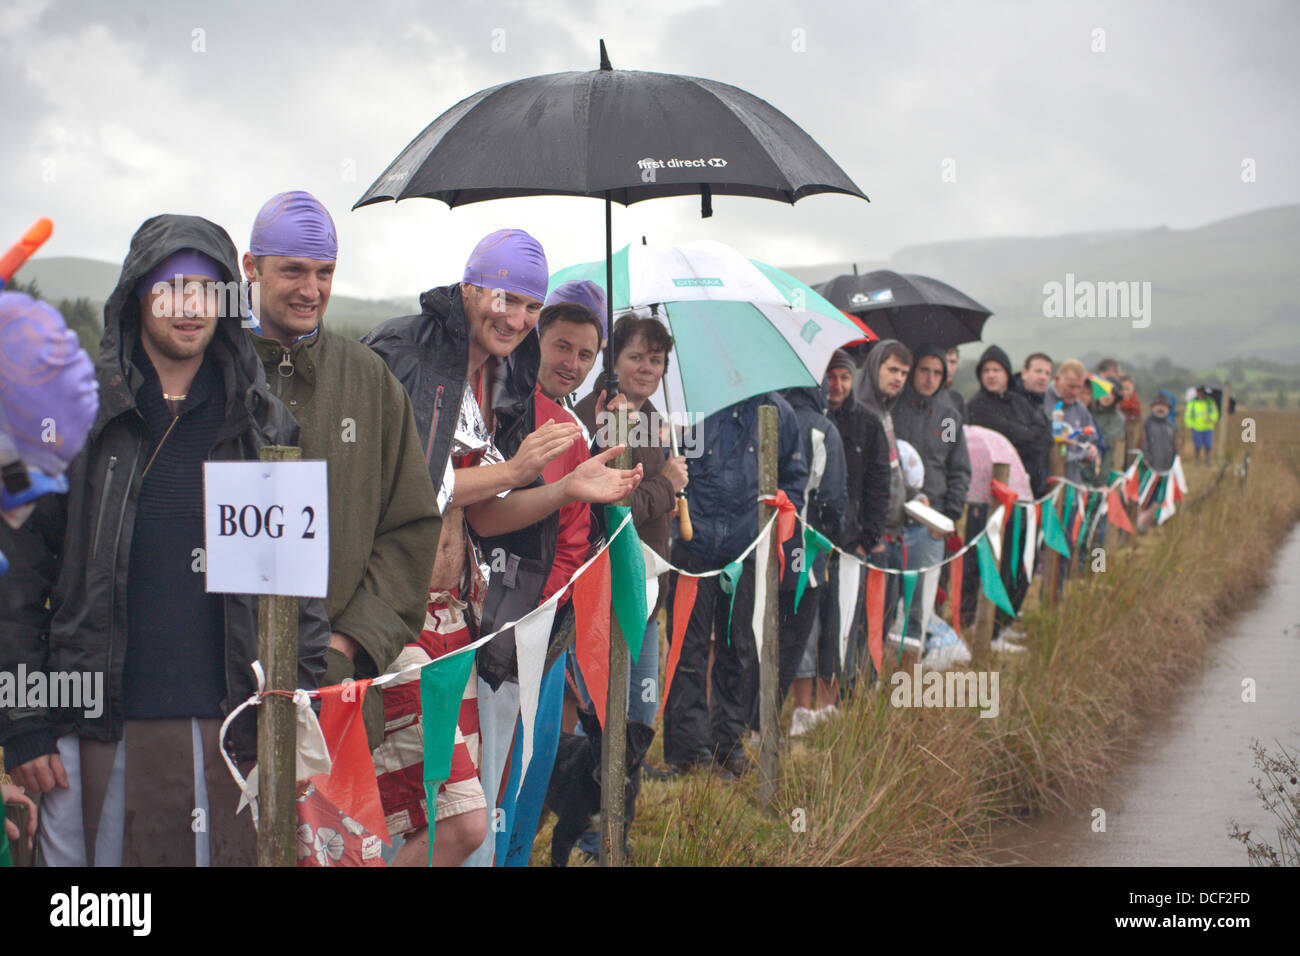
[(75, 549), (1010, 414)]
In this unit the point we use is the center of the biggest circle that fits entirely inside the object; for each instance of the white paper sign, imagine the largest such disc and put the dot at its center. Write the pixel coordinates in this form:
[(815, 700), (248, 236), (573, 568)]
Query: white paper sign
[(266, 527)]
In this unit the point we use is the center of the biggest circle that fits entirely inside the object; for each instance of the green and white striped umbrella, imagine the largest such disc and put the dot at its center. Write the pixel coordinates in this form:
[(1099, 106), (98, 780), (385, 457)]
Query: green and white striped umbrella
[(740, 327)]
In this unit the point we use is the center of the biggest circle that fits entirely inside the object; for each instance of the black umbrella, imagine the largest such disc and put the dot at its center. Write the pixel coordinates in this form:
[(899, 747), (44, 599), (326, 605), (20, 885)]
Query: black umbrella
[(620, 135), (916, 310)]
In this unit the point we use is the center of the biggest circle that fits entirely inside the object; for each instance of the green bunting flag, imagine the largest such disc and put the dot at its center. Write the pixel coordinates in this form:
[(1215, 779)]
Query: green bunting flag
[(989, 577), (627, 579), (909, 586), (1016, 547), (442, 686), (728, 580), (815, 544), (1053, 533), (1090, 512)]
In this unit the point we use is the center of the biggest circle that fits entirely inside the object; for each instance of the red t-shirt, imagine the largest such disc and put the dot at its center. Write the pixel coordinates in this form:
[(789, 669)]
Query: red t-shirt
[(575, 519)]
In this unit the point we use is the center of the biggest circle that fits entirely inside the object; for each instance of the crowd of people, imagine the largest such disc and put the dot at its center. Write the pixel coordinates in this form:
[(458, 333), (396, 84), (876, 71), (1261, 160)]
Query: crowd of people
[(462, 470)]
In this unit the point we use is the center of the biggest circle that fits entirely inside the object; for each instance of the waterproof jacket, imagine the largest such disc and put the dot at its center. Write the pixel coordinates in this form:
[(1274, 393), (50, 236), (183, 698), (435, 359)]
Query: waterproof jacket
[(75, 549), (866, 392), (1011, 415), (866, 458), (428, 352), (1159, 442), (383, 514), (933, 426), (826, 494), (1035, 399), (1202, 414), (723, 490), (1110, 421), (1077, 416)]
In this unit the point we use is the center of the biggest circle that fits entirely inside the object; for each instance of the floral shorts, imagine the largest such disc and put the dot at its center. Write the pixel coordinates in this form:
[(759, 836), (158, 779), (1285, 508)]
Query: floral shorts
[(399, 760)]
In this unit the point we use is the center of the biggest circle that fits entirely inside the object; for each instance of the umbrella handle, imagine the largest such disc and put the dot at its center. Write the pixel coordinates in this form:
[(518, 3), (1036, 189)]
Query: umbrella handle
[(684, 517)]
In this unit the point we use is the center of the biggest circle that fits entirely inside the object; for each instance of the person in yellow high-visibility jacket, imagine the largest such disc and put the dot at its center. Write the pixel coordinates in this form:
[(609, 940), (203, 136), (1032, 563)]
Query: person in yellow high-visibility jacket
[(1201, 416)]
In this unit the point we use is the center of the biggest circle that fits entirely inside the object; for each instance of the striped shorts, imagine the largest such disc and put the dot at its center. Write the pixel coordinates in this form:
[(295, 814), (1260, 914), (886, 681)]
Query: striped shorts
[(399, 760)]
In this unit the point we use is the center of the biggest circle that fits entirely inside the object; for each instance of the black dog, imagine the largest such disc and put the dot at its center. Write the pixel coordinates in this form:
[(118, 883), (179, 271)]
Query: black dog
[(574, 792)]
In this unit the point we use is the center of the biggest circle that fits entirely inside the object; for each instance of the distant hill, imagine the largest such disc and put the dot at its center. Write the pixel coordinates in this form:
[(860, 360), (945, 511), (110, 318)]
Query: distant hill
[(1221, 290), (1225, 289), (67, 277)]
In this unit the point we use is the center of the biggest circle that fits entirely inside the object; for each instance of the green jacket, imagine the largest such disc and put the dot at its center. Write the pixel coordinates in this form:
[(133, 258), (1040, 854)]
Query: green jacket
[(1201, 415), (384, 520)]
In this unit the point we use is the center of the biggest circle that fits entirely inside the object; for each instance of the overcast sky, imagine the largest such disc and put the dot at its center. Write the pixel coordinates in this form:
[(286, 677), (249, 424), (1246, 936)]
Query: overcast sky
[(118, 111)]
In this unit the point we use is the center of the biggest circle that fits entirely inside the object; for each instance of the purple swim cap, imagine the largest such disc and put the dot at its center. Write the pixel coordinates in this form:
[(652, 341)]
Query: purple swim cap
[(48, 393), (509, 259), (294, 224), (584, 294), (186, 262)]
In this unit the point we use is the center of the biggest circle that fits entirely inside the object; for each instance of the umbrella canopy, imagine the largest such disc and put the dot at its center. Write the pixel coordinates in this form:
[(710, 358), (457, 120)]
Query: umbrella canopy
[(623, 134), (914, 309), (740, 327), (986, 447)]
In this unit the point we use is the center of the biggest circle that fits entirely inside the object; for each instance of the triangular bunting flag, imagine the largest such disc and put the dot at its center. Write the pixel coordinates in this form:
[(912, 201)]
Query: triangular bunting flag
[(655, 566), (954, 591), (728, 580), (351, 784), (591, 621), (1031, 541), (1006, 495), (909, 588), (875, 604), (1180, 480), (762, 555), (1167, 507), (785, 517), (532, 634), (990, 579), (1067, 514), (685, 589), (442, 687), (814, 545), (1015, 542), (1053, 533), (1116, 514), (1132, 483), (850, 579), (627, 568), (993, 531)]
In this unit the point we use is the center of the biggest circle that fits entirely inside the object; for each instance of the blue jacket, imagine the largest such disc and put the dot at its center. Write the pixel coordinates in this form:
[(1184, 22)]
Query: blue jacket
[(826, 497), (723, 486)]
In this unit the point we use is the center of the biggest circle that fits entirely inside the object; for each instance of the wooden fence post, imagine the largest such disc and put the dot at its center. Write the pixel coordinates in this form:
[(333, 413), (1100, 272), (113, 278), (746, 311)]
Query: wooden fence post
[(1225, 423), (769, 659), (985, 610), (277, 728), (613, 738)]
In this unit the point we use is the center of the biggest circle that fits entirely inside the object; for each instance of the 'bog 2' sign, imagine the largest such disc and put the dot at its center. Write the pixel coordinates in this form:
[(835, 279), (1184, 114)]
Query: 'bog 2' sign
[(266, 526)]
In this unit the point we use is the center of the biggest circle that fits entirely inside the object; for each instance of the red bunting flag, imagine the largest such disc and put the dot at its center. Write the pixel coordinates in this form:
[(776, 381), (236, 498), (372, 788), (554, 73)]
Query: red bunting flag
[(591, 615), (785, 517), (875, 602), (1116, 514), (351, 784), (683, 604), (1006, 495), (1078, 520), (954, 586), (1131, 485)]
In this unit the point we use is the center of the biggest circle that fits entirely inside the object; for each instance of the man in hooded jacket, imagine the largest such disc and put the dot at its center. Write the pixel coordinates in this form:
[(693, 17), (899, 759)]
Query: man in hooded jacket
[(179, 384), (877, 387), (999, 406), (927, 417)]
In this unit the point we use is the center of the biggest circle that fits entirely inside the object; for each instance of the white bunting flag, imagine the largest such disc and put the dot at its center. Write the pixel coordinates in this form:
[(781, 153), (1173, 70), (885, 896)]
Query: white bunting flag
[(994, 527), (761, 556), (850, 577), (1031, 540), (531, 637)]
